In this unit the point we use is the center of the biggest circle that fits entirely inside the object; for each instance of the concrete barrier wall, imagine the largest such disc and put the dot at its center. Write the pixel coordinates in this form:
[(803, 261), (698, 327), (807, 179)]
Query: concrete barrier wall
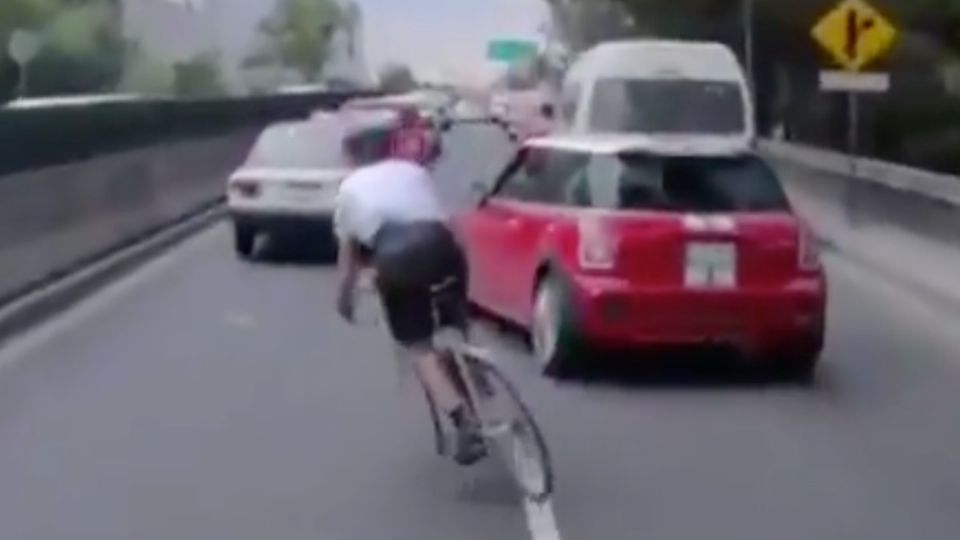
[(869, 192), (900, 221), (54, 219)]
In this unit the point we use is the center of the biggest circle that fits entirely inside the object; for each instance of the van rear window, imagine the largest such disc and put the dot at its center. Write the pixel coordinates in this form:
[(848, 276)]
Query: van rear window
[(667, 106), (689, 184)]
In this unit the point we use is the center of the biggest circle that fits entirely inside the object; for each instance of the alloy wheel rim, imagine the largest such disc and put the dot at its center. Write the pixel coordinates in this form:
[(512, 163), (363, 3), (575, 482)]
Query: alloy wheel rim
[(545, 330)]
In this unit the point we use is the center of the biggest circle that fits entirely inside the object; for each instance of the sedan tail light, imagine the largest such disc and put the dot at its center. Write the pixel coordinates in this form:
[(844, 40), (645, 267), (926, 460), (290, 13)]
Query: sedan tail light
[(809, 250), (597, 249), (246, 188)]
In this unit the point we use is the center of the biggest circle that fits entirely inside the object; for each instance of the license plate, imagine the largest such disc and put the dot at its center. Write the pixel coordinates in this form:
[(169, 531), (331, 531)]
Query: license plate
[(303, 195), (711, 265), (304, 187), (299, 198)]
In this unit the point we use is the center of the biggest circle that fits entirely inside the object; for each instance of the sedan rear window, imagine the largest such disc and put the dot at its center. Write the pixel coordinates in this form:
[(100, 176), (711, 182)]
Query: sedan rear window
[(694, 184), (299, 146)]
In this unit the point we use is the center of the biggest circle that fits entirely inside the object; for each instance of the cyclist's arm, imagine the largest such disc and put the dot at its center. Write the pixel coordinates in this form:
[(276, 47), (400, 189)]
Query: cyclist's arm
[(349, 260)]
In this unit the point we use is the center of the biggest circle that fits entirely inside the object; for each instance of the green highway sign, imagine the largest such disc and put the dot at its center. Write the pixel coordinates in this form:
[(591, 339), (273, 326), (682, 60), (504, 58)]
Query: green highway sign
[(511, 50)]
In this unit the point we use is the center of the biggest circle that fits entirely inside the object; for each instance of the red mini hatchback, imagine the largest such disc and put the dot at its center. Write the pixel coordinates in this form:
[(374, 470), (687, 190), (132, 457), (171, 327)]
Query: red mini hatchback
[(633, 241)]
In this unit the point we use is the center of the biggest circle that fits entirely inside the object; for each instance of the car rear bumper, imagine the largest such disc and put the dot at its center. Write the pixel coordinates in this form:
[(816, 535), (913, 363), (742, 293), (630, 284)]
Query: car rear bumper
[(756, 321), (279, 222)]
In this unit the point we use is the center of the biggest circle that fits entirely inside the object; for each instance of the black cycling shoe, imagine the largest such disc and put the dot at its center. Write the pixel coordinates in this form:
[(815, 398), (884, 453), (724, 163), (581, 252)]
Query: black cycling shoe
[(470, 446)]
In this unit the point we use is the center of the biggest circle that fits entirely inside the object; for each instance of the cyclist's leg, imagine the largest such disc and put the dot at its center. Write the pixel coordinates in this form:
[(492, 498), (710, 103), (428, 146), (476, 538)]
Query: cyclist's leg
[(407, 265), (410, 260), (411, 325)]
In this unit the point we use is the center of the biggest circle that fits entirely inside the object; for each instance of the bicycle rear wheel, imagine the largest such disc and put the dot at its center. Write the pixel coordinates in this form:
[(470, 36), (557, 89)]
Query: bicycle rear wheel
[(508, 422)]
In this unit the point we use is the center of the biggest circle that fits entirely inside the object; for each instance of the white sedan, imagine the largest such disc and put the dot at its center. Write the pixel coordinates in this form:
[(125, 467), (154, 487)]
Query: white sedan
[(288, 183)]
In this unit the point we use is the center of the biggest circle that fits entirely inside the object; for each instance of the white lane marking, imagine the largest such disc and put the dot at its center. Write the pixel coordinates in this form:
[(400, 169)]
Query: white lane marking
[(541, 520), (19, 347)]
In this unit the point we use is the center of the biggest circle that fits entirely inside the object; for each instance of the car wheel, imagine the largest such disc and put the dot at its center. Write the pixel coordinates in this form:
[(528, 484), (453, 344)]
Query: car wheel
[(801, 368), (243, 240), (332, 245), (556, 346)]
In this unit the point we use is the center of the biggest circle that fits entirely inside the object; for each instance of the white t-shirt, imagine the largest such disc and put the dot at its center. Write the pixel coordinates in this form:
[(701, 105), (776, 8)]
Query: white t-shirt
[(394, 190)]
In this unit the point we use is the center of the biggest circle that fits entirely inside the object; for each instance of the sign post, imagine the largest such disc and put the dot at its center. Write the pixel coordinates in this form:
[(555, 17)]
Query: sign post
[(23, 48), (855, 34)]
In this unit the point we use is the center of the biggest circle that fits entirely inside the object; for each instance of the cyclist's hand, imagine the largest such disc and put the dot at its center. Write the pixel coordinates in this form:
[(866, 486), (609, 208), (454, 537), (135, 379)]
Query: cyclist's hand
[(345, 305)]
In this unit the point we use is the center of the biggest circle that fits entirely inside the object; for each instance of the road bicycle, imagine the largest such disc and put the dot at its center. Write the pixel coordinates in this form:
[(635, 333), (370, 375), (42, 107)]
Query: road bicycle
[(505, 421)]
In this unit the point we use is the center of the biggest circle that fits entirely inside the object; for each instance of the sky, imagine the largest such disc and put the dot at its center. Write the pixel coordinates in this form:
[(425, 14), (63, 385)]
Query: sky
[(446, 38), (440, 39)]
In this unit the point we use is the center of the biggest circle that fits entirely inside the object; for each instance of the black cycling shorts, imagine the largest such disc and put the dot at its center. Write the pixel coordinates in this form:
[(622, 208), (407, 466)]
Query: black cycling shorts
[(411, 259)]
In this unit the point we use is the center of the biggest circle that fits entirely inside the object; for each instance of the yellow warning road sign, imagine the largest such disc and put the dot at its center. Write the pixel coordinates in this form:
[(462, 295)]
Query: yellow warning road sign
[(854, 33)]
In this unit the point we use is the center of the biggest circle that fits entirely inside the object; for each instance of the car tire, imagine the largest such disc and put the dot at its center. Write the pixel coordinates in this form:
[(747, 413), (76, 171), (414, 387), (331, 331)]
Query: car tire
[(332, 251), (799, 368), (554, 339), (244, 238)]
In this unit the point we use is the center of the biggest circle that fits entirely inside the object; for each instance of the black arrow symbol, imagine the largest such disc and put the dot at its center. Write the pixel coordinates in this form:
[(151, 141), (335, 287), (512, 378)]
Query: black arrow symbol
[(856, 26)]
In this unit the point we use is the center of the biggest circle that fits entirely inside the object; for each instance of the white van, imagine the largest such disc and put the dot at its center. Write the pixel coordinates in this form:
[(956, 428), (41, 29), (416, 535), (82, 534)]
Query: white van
[(658, 87)]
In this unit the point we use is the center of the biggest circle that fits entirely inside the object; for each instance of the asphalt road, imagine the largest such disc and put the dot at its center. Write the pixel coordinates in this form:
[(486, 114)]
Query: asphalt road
[(204, 398)]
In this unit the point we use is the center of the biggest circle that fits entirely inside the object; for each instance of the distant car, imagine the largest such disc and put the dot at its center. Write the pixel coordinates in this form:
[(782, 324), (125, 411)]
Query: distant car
[(527, 114), (288, 183), (636, 241), (499, 108), (428, 118), (536, 124), (467, 111)]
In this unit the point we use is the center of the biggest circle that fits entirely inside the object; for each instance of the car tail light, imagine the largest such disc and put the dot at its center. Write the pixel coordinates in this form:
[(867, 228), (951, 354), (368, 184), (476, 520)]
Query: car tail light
[(597, 249), (809, 250), (246, 188)]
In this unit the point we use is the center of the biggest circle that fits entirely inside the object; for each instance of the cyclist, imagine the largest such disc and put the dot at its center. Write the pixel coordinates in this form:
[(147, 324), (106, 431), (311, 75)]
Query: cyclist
[(389, 216)]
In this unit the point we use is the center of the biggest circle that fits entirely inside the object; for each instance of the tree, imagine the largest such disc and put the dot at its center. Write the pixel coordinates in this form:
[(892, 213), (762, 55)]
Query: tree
[(198, 77), (83, 46), (397, 79), (146, 75), (584, 23), (29, 14), (297, 35)]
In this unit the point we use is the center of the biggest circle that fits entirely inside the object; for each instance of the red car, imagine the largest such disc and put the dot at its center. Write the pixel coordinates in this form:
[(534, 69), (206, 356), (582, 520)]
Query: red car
[(633, 241)]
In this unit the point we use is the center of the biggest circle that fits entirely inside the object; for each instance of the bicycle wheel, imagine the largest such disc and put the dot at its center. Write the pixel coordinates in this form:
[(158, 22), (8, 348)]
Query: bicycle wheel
[(507, 421)]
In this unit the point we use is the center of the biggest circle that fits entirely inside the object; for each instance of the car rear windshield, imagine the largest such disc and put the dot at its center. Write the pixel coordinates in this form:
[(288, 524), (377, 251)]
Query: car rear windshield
[(302, 146), (696, 184), (667, 106)]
